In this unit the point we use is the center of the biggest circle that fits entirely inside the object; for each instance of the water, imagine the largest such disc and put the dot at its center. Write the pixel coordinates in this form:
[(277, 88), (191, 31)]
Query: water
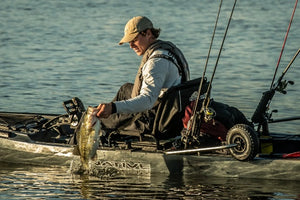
[(29, 182), (54, 50)]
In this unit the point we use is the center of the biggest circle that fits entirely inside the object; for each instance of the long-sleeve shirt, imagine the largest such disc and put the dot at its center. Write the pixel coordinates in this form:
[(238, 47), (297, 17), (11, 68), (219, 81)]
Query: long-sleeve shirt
[(158, 74)]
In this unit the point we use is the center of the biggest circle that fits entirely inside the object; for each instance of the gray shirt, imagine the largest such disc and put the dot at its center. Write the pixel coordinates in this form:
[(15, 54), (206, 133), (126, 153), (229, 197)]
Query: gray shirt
[(158, 74)]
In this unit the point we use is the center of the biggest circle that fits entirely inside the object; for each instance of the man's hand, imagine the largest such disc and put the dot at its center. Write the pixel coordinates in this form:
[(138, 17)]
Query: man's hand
[(105, 110)]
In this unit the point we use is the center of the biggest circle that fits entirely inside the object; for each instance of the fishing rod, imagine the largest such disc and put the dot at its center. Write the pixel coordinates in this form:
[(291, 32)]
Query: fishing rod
[(206, 100), (197, 114), (193, 119), (278, 86), (259, 114), (283, 45), (262, 107)]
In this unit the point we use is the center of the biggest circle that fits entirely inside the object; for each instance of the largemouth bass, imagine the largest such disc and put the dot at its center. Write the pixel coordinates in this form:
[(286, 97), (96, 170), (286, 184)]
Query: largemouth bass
[(88, 137)]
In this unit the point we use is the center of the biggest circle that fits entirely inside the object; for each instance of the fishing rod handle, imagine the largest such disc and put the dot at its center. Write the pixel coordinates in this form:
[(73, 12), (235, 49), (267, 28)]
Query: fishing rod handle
[(259, 114)]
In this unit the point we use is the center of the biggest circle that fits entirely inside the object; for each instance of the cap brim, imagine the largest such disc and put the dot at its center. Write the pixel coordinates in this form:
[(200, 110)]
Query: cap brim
[(128, 38)]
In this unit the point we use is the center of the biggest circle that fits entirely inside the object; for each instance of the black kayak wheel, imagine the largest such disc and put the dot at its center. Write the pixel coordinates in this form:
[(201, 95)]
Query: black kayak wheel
[(247, 142)]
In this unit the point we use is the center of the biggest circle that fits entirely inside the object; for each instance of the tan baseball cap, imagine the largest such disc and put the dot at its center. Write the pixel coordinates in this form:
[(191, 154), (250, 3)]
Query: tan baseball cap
[(134, 26)]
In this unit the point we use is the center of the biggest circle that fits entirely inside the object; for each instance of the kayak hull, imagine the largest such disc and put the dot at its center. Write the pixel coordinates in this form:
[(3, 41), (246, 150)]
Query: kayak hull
[(117, 161)]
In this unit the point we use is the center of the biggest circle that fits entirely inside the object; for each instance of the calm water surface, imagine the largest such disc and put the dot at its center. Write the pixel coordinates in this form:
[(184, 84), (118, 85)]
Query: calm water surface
[(51, 51), (29, 182)]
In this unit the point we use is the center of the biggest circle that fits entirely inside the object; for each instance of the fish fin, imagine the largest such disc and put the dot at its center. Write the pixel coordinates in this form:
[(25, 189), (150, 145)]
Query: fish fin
[(94, 158), (84, 169), (76, 150)]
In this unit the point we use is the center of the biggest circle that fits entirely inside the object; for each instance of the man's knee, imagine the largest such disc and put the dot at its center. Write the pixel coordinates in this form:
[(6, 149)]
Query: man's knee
[(124, 92)]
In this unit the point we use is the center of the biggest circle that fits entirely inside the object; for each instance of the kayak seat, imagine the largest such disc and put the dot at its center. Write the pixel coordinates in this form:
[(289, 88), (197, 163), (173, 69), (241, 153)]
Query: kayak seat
[(170, 110)]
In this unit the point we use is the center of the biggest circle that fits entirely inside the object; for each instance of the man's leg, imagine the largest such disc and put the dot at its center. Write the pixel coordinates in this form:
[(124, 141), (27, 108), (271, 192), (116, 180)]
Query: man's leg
[(116, 120)]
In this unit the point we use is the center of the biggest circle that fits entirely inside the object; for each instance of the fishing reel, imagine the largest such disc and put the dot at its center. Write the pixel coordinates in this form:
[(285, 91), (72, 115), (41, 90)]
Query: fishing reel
[(281, 86), (209, 114), (189, 134), (192, 136)]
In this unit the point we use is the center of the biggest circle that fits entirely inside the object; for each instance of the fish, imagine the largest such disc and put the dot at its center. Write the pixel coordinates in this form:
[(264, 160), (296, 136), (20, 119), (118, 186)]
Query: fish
[(88, 137)]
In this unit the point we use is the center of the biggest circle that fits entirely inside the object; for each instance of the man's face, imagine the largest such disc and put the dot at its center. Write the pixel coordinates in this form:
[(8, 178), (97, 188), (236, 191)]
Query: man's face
[(141, 43)]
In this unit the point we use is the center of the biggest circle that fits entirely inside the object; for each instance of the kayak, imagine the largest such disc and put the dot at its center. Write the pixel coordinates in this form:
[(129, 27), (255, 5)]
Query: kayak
[(18, 144)]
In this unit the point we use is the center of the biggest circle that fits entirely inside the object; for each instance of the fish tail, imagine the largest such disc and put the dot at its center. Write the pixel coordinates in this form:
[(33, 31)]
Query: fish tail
[(84, 169)]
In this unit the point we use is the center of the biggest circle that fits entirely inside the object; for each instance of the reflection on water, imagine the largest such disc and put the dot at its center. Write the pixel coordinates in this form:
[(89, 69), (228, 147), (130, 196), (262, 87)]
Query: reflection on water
[(31, 182)]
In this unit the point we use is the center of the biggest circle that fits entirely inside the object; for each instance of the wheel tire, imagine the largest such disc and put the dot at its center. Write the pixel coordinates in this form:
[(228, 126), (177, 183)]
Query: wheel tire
[(247, 142)]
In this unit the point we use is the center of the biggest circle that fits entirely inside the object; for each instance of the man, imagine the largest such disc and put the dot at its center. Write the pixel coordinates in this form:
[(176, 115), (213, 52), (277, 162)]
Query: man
[(162, 66)]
